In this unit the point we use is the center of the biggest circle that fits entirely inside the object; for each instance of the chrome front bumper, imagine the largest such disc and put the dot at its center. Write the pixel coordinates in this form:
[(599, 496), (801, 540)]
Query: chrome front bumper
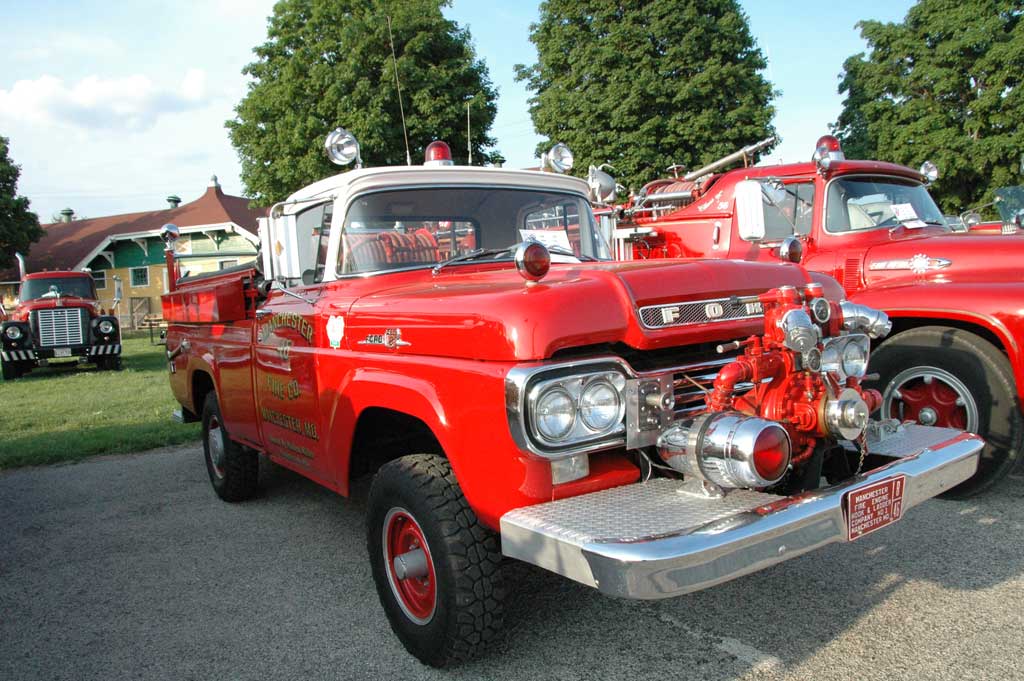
[(653, 540)]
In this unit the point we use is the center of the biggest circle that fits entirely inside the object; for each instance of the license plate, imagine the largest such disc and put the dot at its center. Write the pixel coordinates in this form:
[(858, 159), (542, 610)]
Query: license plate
[(873, 507), (62, 352)]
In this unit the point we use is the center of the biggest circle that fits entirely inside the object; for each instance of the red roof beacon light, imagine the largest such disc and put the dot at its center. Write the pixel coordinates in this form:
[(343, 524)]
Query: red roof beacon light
[(437, 153), (827, 151), (532, 260)]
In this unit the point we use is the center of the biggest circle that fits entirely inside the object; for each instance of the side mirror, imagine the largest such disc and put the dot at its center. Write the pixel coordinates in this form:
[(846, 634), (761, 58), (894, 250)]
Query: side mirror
[(750, 210), (791, 249), (1018, 218)]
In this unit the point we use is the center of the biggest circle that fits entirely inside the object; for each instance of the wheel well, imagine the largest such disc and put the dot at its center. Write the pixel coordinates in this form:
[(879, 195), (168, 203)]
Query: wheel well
[(382, 435), (202, 385), (900, 324)]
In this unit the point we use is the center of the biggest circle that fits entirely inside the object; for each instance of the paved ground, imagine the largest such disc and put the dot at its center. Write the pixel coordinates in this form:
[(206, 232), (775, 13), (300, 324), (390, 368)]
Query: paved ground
[(129, 567)]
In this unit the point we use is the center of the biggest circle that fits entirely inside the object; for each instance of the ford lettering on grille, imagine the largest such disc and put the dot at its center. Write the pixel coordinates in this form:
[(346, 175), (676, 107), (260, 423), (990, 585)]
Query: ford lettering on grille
[(698, 312)]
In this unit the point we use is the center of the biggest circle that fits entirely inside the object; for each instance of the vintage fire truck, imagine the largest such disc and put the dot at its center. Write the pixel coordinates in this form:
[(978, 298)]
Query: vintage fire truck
[(58, 316), (646, 428), (956, 300)]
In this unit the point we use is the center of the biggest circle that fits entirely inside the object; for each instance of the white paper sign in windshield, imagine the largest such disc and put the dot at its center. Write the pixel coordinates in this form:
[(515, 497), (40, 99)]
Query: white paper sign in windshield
[(548, 237), (906, 214)]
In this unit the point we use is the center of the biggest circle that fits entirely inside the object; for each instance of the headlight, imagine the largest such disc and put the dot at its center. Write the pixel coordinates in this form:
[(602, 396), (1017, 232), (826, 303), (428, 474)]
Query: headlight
[(13, 332), (600, 406), (846, 355), (577, 409), (555, 414), (106, 326)]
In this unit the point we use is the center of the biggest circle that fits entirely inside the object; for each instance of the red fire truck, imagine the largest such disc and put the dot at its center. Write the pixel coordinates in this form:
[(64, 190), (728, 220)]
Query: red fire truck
[(648, 428), (956, 298), (57, 317)]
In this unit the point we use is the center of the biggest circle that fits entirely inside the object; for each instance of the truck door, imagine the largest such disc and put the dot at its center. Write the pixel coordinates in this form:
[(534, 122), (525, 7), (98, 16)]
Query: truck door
[(786, 208), (285, 341)]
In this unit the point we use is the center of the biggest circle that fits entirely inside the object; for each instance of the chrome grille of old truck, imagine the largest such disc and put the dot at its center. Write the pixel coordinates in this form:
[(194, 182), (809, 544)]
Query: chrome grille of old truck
[(60, 327)]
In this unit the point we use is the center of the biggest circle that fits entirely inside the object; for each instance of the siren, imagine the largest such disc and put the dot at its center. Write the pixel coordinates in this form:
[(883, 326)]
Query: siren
[(437, 153), (827, 150)]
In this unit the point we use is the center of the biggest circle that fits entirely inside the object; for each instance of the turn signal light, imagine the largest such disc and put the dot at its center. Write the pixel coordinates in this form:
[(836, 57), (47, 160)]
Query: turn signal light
[(532, 260)]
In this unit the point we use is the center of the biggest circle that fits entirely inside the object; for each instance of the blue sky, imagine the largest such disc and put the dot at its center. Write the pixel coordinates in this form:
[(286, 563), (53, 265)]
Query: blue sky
[(110, 107)]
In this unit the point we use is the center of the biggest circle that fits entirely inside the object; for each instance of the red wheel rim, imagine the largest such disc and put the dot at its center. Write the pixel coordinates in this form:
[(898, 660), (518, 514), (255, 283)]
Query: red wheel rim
[(931, 397), (417, 595)]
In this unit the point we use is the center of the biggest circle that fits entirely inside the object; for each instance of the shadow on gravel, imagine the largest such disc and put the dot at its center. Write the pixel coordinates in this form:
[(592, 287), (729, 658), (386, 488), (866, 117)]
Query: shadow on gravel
[(784, 615)]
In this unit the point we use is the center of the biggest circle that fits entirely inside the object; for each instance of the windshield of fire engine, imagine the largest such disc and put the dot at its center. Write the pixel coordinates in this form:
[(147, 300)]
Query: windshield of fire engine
[(862, 203), (421, 227), (81, 287)]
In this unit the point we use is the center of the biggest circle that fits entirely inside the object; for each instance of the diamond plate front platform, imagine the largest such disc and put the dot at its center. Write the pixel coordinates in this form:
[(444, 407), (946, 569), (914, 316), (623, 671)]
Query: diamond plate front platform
[(652, 540)]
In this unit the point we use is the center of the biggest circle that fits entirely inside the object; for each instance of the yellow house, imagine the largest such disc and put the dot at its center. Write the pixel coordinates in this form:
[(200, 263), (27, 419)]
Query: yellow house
[(126, 256)]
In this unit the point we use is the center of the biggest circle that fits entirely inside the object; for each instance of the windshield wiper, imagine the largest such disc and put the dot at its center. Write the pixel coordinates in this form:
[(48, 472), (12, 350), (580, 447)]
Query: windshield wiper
[(472, 255), (565, 251)]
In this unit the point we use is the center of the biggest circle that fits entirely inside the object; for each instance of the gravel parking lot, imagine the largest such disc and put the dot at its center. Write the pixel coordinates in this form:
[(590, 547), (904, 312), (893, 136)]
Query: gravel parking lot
[(129, 567)]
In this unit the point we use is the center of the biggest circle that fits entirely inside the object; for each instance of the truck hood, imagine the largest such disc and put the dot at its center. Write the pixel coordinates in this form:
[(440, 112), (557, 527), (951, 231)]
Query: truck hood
[(493, 314), (946, 258), (23, 309)]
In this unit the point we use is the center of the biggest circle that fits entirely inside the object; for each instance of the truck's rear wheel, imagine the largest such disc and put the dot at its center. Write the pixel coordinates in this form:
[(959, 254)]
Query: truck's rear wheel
[(940, 376), (233, 469), (437, 570)]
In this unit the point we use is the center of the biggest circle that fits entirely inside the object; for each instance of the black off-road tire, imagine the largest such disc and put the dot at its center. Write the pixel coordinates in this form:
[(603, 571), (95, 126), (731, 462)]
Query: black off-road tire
[(236, 478), (984, 370), (466, 560)]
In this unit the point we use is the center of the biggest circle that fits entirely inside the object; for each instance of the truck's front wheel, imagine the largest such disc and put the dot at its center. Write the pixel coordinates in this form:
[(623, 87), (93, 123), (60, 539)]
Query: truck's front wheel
[(437, 570), (940, 376), (233, 469)]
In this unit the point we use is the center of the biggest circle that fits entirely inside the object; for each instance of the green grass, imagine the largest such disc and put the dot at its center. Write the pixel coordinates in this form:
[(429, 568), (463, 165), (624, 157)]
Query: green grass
[(60, 414)]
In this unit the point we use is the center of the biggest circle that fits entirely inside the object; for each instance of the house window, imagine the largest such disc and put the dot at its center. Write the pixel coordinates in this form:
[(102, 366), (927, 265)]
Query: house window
[(224, 264), (139, 276), (100, 278)]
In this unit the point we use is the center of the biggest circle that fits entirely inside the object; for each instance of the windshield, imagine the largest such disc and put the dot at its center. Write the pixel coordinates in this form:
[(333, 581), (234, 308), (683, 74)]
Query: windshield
[(1009, 200), (422, 227), (862, 203), (81, 287)]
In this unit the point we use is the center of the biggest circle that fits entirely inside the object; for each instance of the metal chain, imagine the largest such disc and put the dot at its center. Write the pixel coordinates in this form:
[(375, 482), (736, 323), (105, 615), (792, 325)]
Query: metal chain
[(862, 443)]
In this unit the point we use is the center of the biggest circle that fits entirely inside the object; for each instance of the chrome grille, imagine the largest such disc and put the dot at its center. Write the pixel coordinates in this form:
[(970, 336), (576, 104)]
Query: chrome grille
[(692, 383), (60, 327), (698, 312)]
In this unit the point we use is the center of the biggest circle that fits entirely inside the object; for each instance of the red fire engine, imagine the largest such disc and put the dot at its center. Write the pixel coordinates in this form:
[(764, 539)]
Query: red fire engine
[(645, 428), (955, 298)]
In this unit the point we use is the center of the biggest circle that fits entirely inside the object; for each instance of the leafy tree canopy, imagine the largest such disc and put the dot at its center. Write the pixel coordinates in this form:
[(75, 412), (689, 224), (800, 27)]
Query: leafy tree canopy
[(328, 63), (644, 85), (944, 84), (19, 227)]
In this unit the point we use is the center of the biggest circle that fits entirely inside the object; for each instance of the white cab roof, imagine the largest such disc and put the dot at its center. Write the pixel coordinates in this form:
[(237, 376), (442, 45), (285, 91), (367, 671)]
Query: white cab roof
[(365, 179)]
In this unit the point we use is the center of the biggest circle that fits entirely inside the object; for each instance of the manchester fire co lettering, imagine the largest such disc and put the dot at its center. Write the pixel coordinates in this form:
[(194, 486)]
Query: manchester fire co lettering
[(287, 320), (305, 428), (282, 390), (292, 447)]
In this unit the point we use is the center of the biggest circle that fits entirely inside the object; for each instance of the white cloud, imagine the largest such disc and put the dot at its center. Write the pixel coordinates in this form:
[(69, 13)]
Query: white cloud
[(129, 103)]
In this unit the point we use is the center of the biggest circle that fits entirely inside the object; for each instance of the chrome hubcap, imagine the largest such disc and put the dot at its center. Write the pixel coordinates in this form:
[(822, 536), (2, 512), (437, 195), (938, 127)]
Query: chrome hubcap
[(215, 447), (927, 416)]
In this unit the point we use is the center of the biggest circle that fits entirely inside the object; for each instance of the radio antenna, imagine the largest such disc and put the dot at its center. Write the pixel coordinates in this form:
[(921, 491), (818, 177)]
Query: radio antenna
[(398, 86), (469, 138)]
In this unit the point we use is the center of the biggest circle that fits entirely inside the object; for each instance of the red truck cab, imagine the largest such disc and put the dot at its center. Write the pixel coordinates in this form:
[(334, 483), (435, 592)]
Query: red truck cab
[(954, 357), (57, 317), (460, 333)]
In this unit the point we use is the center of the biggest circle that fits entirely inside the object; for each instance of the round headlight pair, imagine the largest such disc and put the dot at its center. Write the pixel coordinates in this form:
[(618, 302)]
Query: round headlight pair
[(106, 326), (13, 332), (599, 408)]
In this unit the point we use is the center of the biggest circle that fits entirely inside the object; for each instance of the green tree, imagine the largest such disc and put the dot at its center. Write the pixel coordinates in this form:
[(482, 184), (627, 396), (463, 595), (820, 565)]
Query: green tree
[(19, 227), (942, 85), (644, 85), (328, 63)]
